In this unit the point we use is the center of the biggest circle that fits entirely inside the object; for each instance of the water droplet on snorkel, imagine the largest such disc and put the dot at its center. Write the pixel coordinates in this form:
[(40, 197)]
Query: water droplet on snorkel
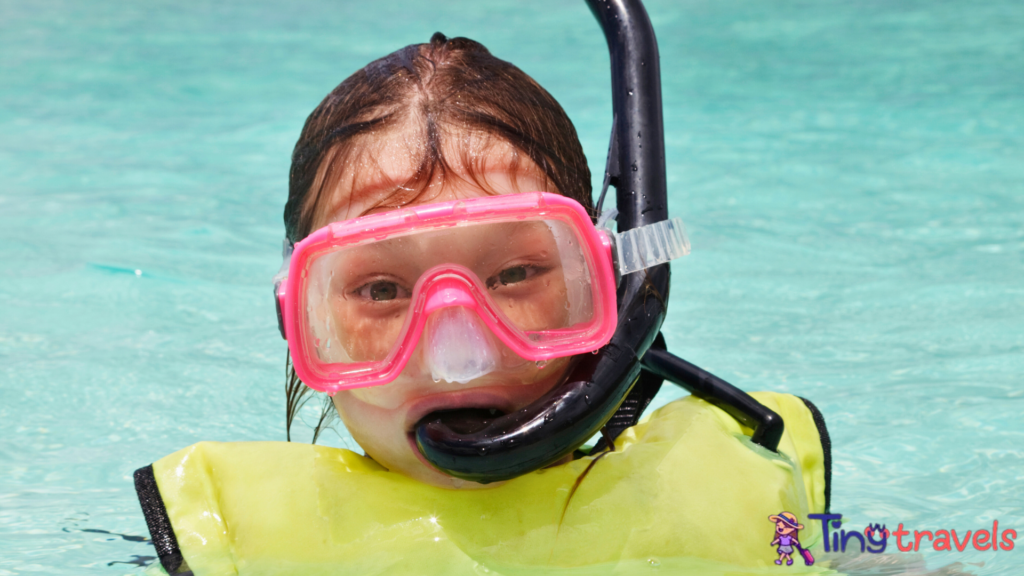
[(654, 562), (436, 379), (482, 450), (541, 363), (586, 398)]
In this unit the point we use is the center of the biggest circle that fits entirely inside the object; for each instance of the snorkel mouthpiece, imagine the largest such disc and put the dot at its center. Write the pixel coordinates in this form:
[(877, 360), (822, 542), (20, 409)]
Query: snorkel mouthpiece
[(458, 347), (538, 435)]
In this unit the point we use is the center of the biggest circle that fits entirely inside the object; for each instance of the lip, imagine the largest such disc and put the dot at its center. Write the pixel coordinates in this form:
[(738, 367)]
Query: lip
[(495, 395), (475, 398)]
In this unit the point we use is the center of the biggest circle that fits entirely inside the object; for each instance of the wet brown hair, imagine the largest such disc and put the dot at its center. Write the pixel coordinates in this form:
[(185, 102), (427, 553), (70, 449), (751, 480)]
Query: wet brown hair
[(452, 88)]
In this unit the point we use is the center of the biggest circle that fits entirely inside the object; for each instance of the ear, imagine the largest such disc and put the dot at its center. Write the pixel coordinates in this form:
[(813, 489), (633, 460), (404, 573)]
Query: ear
[(885, 532), (867, 530)]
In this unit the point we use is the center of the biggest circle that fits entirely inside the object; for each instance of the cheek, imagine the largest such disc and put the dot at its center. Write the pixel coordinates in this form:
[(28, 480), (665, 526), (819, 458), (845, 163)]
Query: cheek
[(527, 373), (547, 309), (375, 428), (380, 401), (366, 337)]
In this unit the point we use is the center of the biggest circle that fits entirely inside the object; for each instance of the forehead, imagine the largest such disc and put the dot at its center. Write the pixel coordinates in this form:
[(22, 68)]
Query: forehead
[(388, 169)]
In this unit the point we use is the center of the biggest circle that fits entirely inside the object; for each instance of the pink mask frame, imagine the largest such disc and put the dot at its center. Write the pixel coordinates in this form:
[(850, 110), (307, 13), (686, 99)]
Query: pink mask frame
[(449, 285)]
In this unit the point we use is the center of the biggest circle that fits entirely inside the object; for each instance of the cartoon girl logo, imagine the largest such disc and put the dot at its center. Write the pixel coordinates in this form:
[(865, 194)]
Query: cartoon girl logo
[(787, 529)]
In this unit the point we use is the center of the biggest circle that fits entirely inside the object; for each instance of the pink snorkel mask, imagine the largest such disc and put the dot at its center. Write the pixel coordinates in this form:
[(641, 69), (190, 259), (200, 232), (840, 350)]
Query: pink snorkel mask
[(470, 285)]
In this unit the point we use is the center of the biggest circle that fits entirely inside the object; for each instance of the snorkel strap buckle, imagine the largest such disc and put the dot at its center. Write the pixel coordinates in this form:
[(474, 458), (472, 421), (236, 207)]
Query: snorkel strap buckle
[(649, 245)]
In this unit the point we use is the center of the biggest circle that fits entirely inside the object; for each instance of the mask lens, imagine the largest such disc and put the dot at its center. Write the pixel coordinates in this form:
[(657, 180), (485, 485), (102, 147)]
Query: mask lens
[(532, 282)]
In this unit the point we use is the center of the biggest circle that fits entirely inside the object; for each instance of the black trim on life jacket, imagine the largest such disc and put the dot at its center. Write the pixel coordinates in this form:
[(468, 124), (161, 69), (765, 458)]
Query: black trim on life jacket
[(159, 523), (826, 449)]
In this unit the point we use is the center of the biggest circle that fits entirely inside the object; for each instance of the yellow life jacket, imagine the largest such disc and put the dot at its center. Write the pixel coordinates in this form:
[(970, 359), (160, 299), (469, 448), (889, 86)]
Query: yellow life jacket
[(685, 490)]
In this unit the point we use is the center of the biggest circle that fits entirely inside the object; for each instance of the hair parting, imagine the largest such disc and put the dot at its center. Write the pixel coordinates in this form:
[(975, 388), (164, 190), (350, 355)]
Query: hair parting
[(449, 87)]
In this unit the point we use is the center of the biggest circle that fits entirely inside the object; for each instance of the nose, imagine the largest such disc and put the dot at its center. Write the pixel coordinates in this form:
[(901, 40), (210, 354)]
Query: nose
[(459, 348)]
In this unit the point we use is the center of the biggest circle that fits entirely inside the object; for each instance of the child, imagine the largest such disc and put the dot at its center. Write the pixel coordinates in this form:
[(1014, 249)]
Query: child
[(431, 123), (436, 295)]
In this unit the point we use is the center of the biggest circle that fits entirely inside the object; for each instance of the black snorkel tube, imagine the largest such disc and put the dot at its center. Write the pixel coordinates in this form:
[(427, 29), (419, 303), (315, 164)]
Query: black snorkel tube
[(607, 389)]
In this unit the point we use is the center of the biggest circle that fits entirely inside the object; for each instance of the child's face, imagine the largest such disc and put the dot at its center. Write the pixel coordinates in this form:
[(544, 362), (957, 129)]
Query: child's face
[(382, 418)]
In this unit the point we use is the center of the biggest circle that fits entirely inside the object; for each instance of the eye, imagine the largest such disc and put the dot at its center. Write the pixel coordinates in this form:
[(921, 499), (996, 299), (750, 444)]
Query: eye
[(512, 275), (381, 291)]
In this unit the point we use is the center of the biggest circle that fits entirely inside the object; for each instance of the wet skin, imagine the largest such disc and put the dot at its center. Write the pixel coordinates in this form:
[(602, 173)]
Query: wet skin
[(382, 418)]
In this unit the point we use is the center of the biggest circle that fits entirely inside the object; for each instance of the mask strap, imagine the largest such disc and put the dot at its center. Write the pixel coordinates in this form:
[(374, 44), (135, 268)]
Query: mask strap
[(287, 247), (282, 274)]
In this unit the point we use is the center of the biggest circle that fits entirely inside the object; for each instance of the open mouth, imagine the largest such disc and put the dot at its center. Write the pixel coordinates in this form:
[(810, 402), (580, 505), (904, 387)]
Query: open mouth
[(463, 420)]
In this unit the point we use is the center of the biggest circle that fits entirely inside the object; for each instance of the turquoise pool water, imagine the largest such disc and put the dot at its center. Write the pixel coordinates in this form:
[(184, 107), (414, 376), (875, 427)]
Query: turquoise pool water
[(851, 173)]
